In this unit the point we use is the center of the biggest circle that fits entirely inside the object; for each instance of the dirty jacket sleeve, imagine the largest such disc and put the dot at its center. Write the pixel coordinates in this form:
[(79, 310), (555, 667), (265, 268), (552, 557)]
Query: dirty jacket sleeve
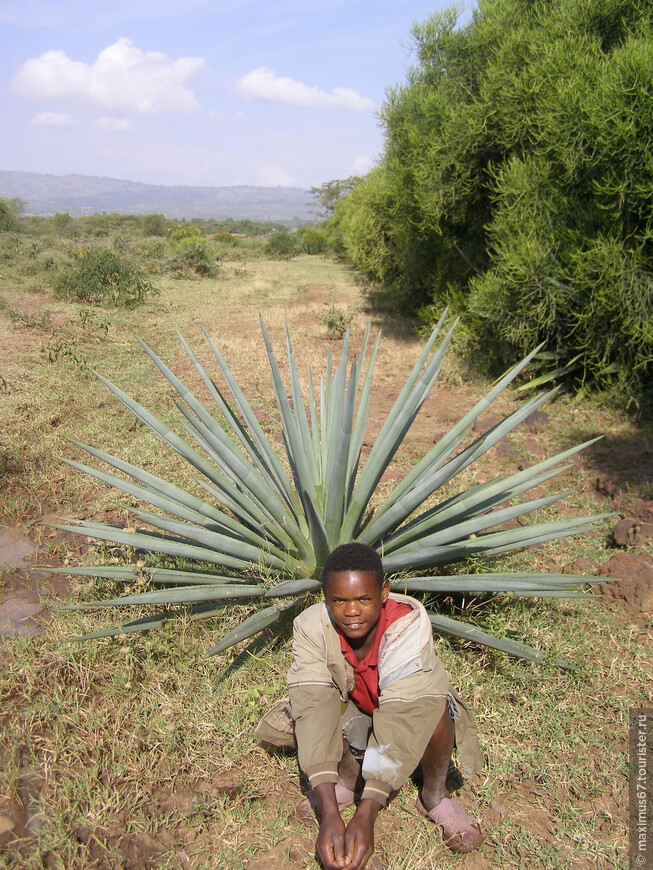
[(411, 704), (316, 704)]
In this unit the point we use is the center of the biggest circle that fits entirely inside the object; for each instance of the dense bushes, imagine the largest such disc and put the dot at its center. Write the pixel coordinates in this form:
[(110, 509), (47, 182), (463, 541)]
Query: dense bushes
[(516, 183), (9, 211), (282, 245), (189, 252), (99, 276)]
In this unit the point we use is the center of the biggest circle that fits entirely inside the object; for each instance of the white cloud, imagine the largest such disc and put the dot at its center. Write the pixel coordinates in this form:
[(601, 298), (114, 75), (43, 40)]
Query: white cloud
[(52, 119), (120, 125), (123, 79), (263, 84)]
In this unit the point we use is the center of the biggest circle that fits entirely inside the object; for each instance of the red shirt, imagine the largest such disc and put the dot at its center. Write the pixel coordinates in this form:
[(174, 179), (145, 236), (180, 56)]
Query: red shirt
[(365, 693)]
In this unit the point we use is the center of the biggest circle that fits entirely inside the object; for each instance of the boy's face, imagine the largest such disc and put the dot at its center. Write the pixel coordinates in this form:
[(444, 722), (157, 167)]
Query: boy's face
[(354, 600)]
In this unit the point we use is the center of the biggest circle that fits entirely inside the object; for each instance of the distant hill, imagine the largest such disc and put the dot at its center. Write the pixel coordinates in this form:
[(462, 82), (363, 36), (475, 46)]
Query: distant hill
[(90, 194)]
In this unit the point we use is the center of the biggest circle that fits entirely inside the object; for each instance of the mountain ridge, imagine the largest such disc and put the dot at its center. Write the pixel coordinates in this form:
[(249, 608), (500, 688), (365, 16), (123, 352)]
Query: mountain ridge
[(46, 194)]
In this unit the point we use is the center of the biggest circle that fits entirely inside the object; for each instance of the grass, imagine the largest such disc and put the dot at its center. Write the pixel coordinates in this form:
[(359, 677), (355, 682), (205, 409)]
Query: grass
[(137, 736), (135, 753)]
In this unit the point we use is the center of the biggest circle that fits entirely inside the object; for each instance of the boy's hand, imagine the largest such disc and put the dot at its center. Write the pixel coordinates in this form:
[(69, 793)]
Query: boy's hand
[(330, 843), (359, 836)]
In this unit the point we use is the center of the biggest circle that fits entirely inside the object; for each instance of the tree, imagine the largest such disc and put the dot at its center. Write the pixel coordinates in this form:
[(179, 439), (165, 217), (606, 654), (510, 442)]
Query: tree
[(516, 183), (10, 211), (328, 194)]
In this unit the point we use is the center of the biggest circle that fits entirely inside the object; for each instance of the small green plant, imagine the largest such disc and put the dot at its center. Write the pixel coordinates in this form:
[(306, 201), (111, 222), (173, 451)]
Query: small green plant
[(100, 276), (336, 319), (89, 318), (62, 349)]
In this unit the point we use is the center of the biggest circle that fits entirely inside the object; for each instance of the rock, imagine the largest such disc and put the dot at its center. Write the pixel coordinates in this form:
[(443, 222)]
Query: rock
[(643, 531), (643, 510), (635, 586), (499, 808), (623, 533), (482, 424)]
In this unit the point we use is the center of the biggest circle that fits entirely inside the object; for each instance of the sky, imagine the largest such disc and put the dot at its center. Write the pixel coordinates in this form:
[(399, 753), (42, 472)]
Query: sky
[(201, 92)]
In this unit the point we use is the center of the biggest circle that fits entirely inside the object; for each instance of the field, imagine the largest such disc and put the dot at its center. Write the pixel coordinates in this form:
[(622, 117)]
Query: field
[(138, 752)]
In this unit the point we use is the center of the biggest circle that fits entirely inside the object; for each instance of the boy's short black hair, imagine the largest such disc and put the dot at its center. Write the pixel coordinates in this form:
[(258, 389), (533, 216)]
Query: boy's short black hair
[(353, 557)]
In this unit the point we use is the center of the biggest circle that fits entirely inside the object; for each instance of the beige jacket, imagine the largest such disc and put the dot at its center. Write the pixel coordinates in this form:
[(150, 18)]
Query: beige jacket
[(413, 695)]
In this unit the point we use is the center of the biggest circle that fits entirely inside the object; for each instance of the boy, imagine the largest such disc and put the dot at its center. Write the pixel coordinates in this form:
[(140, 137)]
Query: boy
[(365, 675)]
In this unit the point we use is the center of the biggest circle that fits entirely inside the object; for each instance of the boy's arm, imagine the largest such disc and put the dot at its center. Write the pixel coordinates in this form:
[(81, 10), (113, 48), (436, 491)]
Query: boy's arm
[(316, 707)]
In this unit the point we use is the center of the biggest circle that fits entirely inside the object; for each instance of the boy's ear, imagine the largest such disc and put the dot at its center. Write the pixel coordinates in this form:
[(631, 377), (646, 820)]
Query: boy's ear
[(385, 591)]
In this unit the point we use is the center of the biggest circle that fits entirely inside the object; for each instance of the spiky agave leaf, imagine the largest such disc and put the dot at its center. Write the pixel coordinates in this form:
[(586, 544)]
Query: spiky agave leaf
[(255, 517)]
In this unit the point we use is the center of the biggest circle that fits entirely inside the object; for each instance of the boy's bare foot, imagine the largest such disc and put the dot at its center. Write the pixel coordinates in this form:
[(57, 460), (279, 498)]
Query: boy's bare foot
[(461, 832), (306, 809)]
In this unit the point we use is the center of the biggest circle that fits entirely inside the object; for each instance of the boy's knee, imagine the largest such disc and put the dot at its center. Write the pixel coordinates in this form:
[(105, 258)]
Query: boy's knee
[(277, 726)]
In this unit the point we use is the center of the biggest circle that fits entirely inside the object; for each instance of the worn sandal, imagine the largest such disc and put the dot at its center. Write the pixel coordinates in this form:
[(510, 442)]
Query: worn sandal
[(308, 807), (461, 832)]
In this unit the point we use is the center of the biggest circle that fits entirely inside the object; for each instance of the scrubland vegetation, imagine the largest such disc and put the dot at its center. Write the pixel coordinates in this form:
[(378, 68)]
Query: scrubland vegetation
[(137, 752)]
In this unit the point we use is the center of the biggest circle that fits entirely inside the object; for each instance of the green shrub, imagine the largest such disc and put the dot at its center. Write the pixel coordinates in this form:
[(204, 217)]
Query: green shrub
[(190, 255), (226, 238), (283, 245), (154, 225), (100, 276), (7, 215), (335, 318), (183, 231), (62, 223), (313, 240)]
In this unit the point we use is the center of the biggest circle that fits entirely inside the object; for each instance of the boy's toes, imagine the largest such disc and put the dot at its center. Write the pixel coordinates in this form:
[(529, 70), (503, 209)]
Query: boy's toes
[(461, 832)]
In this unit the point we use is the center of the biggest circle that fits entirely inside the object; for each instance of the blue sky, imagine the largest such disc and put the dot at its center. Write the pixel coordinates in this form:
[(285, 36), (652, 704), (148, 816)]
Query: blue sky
[(200, 92)]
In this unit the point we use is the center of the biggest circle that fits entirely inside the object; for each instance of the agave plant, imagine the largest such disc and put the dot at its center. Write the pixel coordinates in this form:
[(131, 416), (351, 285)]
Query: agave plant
[(261, 518)]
